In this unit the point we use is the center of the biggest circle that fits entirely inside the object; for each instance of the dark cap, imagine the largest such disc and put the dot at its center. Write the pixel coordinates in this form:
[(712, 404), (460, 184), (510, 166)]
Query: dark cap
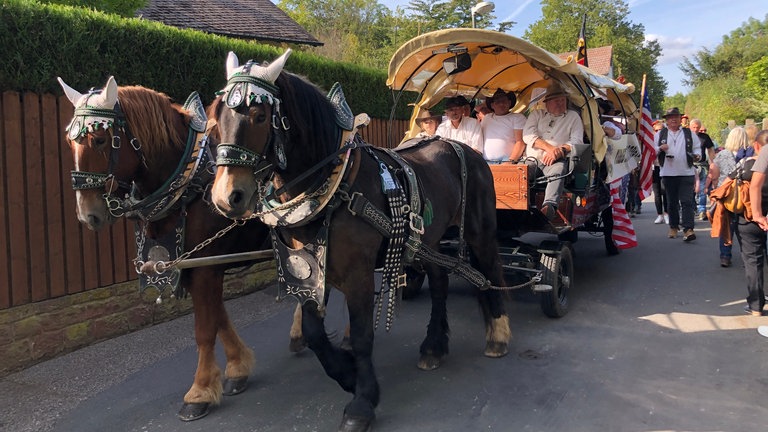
[(501, 93), (554, 89), (427, 114), (672, 112), (456, 101)]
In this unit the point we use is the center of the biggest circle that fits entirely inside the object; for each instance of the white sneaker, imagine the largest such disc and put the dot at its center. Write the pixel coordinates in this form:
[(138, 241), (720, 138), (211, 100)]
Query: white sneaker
[(659, 219), (666, 219)]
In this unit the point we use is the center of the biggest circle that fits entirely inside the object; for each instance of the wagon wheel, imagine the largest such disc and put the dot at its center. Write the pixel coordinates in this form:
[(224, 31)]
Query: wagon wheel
[(557, 271)]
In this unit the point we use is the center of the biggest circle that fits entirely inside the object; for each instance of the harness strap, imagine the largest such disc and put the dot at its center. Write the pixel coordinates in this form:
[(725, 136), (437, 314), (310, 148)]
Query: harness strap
[(416, 221)]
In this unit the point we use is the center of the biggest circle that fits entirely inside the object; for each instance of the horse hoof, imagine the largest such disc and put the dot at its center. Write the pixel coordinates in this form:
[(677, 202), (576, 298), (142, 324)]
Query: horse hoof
[(428, 362), (496, 349), (355, 424), (233, 386), (297, 345), (193, 411)]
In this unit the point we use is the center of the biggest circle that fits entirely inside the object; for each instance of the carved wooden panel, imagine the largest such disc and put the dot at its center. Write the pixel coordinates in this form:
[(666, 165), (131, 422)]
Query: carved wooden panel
[(511, 183)]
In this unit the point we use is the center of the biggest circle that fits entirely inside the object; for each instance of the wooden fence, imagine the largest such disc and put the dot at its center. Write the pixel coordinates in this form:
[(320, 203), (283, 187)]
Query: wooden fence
[(47, 252)]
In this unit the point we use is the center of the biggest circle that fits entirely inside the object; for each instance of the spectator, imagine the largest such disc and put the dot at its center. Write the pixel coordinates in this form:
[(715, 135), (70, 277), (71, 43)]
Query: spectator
[(428, 122), (723, 164), (502, 129), (480, 111), (702, 167), (550, 135), (749, 150), (751, 233), (459, 127), (677, 149), (659, 194)]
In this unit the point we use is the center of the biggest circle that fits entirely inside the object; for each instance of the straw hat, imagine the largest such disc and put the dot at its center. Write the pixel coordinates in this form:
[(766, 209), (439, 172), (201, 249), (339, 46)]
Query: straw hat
[(427, 114), (554, 89)]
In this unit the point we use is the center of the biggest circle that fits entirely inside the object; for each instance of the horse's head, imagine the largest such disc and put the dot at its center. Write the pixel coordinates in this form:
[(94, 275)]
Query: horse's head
[(96, 139), (249, 121)]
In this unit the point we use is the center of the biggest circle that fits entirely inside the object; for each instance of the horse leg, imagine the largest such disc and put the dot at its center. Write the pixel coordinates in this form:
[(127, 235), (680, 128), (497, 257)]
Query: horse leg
[(486, 260), (240, 359), (206, 288), (338, 364), (297, 342), (435, 345), (360, 411)]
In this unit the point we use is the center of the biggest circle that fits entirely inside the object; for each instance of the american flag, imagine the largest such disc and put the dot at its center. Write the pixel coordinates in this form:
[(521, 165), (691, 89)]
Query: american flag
[(648, 153), (623, 230)]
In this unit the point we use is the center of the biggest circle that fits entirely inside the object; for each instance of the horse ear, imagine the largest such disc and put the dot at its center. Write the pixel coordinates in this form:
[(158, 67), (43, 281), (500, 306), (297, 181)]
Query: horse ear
[(108, 96), (72, 94), (232, 64), (274, 68)]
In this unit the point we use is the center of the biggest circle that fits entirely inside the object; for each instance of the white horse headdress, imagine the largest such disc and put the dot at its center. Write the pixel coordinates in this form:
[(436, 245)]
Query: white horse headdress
[(253, 83), (93, 110)]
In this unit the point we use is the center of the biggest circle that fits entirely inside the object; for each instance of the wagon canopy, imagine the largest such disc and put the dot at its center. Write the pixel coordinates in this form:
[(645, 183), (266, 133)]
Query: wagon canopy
[(476, 62)]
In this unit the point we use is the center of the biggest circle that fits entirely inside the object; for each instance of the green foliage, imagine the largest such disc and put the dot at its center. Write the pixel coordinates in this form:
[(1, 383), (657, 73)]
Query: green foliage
[(676, 100), (85, 47), (720, 99), (757, 78), (125, 8), (558, 31), (742, 47)]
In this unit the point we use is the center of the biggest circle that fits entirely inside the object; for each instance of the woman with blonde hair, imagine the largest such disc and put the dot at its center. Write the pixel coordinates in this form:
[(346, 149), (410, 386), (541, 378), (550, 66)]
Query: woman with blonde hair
[(722, 165)]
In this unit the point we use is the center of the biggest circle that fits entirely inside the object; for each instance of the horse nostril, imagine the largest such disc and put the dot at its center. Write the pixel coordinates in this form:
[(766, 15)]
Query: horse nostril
[(94, 221), (235, 198)]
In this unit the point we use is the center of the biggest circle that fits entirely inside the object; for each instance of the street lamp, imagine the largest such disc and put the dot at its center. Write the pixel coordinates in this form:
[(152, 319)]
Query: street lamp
[(481, 8)]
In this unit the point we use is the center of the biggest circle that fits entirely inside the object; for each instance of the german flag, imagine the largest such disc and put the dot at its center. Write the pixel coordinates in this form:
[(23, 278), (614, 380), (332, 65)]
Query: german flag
[(581, 51)]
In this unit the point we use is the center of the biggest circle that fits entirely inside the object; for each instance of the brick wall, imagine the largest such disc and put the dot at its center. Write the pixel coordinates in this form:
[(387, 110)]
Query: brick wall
[(39, 331)]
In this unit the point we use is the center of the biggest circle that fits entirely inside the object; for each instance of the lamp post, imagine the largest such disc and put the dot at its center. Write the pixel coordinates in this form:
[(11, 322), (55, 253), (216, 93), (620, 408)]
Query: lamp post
[(482, 7)]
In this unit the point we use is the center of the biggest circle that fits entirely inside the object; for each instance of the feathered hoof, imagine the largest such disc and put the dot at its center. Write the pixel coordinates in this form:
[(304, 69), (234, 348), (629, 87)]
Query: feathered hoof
[(193, 411), (496, 349), (428, 362), (355, 424), (233, 386), (297, 345)]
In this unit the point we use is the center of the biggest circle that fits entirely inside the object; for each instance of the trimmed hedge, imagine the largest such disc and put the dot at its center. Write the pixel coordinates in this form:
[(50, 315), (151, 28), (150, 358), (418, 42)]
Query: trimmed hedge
[(85, 47)]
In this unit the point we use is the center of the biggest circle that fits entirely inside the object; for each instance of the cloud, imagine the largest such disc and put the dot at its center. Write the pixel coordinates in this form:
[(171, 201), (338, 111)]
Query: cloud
[(673, 48)]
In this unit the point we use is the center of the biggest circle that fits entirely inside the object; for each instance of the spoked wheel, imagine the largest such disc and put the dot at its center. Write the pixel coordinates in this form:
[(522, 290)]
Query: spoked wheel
[(557, 271)]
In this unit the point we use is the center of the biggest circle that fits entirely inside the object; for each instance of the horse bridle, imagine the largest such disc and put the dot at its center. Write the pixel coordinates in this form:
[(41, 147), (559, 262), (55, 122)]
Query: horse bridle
[(85, 180), (236, 94)]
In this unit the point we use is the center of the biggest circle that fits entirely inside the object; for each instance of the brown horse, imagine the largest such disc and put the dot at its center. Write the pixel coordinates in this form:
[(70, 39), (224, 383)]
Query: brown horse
[(285, 129), (133, 139)]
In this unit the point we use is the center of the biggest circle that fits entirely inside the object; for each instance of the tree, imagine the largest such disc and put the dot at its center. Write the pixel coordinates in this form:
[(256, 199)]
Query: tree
[(744, 46), (633, 56)]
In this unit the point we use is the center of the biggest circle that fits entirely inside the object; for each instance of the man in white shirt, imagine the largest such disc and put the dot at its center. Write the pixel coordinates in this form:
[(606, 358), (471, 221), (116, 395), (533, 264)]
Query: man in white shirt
[(550, 135), (502, 129), (459, 127), (678, 148)]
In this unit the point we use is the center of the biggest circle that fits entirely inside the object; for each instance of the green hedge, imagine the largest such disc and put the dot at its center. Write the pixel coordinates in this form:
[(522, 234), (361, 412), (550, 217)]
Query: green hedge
[(84, 47)]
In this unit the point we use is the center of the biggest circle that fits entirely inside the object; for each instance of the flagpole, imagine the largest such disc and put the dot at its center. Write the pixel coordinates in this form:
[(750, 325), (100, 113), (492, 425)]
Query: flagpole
[(642, 93)]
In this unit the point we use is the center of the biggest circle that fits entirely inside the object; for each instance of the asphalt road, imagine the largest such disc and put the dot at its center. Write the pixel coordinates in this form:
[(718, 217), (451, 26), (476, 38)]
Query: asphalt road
[(656, 340)]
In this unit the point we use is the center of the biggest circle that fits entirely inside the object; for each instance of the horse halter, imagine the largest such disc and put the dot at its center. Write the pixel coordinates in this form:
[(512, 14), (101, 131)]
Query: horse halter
[(243, 88), (87, 120)]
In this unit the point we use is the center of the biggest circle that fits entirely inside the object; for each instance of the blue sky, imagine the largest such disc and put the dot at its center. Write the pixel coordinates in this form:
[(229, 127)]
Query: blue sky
[(681, 27)]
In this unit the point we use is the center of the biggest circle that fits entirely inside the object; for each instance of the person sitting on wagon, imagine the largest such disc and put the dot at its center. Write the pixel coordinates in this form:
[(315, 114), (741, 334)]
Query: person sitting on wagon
[(428, 122), (612, 129), (550, 135), (460, 127), (502, 129)]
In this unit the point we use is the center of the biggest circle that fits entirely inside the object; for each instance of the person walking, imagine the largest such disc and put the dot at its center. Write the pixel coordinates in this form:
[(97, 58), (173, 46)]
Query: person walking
[(723, 164), (677, 149), (752, 233), (659, 198), (702, 167)]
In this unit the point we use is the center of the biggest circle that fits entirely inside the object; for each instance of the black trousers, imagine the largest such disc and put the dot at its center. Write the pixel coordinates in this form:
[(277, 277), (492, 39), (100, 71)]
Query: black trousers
[(680, 200), (659, 194), (752, 241)]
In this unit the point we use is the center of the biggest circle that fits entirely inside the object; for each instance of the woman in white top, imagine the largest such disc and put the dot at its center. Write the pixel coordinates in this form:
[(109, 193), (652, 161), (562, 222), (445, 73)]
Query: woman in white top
[(502, 129)]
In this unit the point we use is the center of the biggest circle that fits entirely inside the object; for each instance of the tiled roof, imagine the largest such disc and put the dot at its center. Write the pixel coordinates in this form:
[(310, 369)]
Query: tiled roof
[(600, 59), (243, 19)]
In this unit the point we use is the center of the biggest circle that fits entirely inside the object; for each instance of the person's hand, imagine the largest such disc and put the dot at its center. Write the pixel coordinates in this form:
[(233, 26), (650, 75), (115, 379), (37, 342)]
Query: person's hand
[(552, 154), (664, 147), (761, 221)]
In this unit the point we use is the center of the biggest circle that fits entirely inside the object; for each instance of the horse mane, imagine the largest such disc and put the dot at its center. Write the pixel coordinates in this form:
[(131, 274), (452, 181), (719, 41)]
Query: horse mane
[(313, 132), (154, 120)]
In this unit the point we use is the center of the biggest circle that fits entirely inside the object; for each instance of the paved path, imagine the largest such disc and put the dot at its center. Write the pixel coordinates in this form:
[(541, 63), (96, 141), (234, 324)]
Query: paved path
[(655, 341)]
